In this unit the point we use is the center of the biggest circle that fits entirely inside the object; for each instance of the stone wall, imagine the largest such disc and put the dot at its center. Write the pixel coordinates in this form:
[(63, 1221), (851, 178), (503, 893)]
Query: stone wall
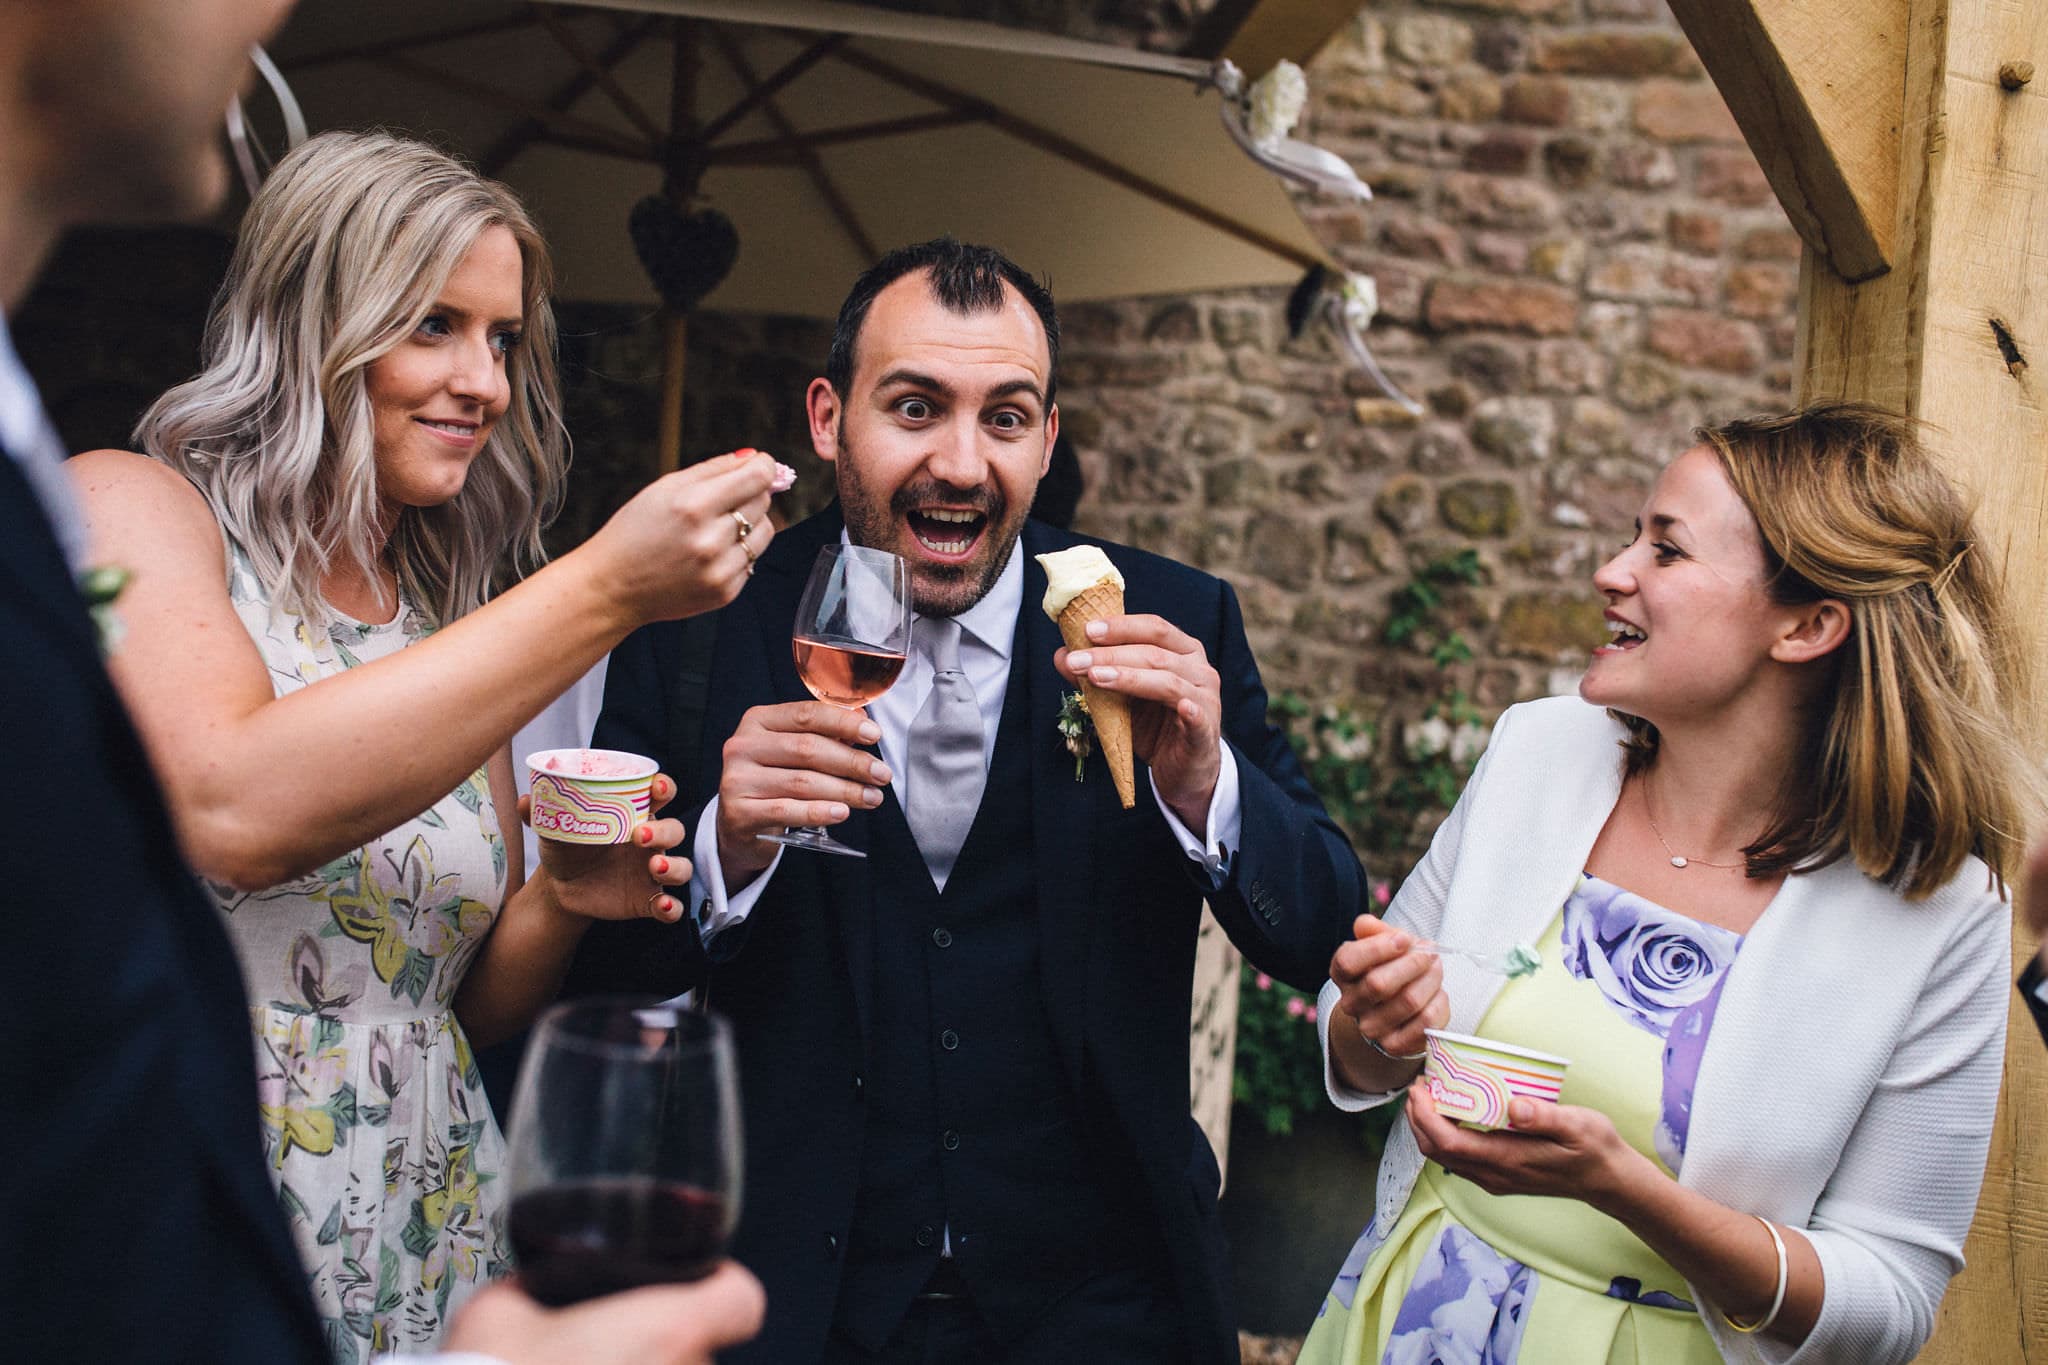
[(1577, 260)]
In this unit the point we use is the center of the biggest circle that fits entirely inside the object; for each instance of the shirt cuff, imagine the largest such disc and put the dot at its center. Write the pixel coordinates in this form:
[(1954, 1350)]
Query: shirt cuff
[(710, 908), (1226, 821), (1343, 1096)]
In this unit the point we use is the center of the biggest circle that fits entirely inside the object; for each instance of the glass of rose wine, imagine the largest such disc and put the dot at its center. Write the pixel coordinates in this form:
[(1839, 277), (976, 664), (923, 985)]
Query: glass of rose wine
[(624, 1149), (852, 635)]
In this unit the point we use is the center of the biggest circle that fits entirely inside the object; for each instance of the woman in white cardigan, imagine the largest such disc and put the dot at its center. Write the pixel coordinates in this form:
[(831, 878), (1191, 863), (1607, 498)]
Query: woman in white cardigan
[(1777, 834)]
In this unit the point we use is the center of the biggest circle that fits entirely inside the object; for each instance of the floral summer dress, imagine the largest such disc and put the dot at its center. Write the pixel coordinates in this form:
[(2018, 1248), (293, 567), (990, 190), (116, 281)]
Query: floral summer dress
[(379, 1137), (1627, 991)]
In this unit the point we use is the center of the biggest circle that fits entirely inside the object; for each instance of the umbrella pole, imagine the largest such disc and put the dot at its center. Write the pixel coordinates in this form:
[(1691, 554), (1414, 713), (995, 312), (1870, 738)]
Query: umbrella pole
[(675, 327)]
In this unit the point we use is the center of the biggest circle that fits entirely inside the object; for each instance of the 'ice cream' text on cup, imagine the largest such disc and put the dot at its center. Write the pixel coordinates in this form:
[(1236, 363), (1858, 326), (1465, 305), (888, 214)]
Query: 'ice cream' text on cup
[(590, 796)]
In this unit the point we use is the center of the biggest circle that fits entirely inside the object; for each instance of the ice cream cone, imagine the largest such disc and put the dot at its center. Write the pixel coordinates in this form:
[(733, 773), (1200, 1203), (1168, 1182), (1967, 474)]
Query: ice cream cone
[(1109, 711)]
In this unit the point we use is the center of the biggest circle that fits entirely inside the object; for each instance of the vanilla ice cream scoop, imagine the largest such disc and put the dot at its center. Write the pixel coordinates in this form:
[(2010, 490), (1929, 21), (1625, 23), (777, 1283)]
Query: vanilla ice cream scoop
[(1069, 573)]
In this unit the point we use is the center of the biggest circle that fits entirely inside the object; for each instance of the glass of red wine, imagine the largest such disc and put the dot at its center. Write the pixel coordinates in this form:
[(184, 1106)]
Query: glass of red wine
[(852, 635), (624, 1159)]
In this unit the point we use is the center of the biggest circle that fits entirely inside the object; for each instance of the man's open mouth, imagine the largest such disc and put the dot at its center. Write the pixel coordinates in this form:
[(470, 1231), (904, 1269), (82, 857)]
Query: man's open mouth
[(946, 532)]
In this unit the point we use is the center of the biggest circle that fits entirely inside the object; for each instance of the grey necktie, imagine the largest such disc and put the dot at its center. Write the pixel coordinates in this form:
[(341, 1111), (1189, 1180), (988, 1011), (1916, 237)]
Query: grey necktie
[(946, 772)]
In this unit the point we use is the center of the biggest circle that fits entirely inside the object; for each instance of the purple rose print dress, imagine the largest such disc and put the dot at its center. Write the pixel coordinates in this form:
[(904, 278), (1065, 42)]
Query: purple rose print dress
[(1627, 991)]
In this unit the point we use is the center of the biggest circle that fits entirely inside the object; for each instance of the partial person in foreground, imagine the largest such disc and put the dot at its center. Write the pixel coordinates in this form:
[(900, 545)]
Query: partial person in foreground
[(965, 1055), (141, 1225), (1762, 858), (323, 674)]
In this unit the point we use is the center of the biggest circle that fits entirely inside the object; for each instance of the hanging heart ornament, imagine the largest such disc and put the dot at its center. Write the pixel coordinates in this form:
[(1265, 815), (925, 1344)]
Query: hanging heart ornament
[(687, 255)]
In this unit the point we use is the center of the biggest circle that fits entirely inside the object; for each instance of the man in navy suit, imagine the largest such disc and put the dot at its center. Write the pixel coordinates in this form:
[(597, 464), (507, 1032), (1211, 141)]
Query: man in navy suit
[(139, 1223), (965, 1055)]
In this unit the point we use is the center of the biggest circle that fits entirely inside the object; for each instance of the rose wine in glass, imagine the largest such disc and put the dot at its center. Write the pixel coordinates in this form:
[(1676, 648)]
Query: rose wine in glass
[(852, 635), (624, 1149)]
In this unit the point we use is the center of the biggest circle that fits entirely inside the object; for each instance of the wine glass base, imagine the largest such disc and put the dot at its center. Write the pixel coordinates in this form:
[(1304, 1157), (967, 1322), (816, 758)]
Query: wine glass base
[(816, 840)]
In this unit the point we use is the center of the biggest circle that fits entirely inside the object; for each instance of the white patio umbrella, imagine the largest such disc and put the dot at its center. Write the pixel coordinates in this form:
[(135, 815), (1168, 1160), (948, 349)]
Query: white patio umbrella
[(789, 142)]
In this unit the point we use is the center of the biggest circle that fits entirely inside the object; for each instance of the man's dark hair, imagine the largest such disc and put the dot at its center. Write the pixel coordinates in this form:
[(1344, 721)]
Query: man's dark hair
[(1059, 492), (965, 278)]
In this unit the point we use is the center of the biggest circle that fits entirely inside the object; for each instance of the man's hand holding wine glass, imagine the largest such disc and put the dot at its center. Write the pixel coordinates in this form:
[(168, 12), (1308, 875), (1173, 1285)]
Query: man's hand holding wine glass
[(674, 1324), (796, 764)]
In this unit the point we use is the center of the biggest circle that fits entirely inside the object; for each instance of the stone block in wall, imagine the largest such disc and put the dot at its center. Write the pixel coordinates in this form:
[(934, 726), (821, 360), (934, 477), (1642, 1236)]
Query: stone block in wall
[(1480, 508), (1534, 9), (1174, 321), (1470, 95), (1573, 162), (1492, 366), (1643, 384), (1279, 549), (1500, 253), (1381, 412), (1381, 92), (1567, 366), (1612, 327), (1672, 110), (1357, 550), (1238, 483), (1551, 625), (1627, 52), (1762, 290), (1502, 47), (1431, 41), (1240, 324), (1213, 434), (1771, 244), (1601, 106), (1544, 101), (1561, 260), (1643, 272), (1496, 202), (1455, 303), (1520, 430), (1593, 427), (1696, 231), (1403, 504), (1642, 166), (1705, 340), (1150, 473), (1441, 449), (1499, 153), (1730, 175), (1423, 238)]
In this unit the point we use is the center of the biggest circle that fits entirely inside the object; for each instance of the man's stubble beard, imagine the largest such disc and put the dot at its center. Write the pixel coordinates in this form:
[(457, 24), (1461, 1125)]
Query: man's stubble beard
[(935, 589)]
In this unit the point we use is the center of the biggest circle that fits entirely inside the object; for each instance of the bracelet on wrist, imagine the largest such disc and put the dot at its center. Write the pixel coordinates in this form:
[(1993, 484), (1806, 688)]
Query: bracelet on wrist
[(1778, 1298), (1395, 1056)]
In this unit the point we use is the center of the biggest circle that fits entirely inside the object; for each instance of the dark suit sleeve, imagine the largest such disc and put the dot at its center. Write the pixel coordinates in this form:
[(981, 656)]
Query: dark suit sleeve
[(2032, 984), (1295, 886), (640, 957)]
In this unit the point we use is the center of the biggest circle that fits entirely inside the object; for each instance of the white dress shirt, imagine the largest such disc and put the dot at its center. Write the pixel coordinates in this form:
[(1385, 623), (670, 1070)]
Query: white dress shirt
[(988, 629), (27, 436)]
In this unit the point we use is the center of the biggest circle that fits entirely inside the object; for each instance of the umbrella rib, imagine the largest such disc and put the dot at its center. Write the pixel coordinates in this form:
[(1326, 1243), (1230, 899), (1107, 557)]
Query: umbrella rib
[(1045, 139), (526, 133), (484, 94), (775, 151), (806, 154), (783, 75), (368, 51), (599, 73)]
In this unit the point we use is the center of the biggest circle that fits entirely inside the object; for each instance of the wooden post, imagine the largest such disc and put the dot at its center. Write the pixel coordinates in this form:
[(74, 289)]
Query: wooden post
[(675, 325), (1955, 333)]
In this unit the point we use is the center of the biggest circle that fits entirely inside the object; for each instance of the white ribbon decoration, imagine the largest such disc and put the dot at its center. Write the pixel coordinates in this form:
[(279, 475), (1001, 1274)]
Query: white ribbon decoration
[(247, 150)]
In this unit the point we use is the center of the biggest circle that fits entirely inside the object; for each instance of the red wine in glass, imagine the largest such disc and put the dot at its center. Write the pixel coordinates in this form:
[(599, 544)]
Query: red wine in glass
[(845, 672), (579, 1239), (623, 1148), (852, 634)]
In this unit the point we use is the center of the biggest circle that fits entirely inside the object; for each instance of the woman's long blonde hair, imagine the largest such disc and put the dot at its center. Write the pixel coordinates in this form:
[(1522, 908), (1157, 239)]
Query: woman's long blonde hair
[(1914, 760), (340, 256)]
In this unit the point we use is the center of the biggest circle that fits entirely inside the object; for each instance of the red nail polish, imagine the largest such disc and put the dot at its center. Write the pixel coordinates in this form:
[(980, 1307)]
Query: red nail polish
[(661, 867)]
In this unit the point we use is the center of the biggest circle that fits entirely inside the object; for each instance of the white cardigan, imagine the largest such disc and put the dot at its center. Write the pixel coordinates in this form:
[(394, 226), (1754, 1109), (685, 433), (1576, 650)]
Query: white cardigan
[(1850, 1078)]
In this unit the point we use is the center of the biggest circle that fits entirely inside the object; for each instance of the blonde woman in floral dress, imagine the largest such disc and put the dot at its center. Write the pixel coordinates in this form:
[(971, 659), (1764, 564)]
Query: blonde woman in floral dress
[(1760, 855), (327, 682)]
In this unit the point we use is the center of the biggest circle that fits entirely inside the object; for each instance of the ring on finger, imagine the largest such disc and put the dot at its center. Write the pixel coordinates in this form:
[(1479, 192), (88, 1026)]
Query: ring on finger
[(654, 902), (748, 551), (746, 527)]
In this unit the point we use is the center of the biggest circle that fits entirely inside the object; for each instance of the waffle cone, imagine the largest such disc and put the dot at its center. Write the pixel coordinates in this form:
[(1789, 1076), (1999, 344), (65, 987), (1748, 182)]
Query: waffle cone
[(1110, 711)]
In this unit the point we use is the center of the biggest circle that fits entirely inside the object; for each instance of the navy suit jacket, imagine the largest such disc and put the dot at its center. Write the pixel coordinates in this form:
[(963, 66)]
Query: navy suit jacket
[(1119, 907), (136, 1223)]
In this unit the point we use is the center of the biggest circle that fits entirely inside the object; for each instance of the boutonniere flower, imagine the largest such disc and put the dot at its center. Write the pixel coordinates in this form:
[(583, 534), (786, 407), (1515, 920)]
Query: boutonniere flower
[(99, 586), (1077, 731)]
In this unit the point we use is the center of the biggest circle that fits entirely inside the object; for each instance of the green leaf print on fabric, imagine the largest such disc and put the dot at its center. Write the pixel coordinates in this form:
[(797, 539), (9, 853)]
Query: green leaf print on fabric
[(432, 818), (389, 1296), (293, 1206), (420, 1237), (414, 977), (471, 792), (343, 1108), (341, 1343), (330, 1231)]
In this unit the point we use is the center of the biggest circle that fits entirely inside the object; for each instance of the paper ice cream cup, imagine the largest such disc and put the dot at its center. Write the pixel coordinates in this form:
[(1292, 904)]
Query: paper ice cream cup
[(590, 796), (1473, 1079)]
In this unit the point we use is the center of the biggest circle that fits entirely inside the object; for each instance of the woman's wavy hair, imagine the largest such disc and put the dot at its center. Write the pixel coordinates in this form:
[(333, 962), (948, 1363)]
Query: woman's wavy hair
[(340, 256), (1913, 759)]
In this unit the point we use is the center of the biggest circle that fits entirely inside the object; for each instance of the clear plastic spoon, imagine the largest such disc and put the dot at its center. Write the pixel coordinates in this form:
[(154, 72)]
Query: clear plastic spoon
[(1520, 960)]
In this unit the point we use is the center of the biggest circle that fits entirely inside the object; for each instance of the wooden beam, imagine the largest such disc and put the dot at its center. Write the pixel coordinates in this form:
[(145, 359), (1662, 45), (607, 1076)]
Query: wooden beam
[(1955, 336), (805, 151), (626, 42), (1045, 139), (1816, 90)]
